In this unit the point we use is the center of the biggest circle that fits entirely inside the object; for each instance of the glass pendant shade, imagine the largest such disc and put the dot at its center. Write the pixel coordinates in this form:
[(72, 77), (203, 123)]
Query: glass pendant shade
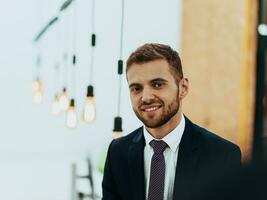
[(55, 107), (37, 92), (64, 100), (36, 85), (37, 97), (117, 134), (71, 118), (89, 110)]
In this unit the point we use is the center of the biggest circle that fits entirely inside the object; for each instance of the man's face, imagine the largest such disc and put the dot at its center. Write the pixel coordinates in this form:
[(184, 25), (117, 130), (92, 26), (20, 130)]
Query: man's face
[(154, 92)]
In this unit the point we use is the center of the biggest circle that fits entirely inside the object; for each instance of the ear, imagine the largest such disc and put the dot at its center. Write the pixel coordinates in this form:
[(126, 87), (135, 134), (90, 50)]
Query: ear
[(183, 87)]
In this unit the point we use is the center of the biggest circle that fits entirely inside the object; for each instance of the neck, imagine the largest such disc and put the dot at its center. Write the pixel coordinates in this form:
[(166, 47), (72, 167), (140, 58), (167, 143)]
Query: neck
[(165, 129)]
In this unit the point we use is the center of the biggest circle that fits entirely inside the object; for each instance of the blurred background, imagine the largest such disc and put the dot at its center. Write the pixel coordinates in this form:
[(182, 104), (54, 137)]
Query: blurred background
[(64, 95)]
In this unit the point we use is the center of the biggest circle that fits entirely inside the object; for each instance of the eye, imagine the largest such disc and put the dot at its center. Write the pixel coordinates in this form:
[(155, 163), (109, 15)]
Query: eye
[(157, 85), (135, 89)]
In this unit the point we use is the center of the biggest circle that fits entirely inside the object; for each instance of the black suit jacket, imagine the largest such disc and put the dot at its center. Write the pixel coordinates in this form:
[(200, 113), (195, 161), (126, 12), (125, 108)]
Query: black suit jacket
[(203, 157)]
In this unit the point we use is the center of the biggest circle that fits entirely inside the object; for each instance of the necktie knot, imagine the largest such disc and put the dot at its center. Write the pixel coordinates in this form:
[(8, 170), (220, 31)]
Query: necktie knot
[(158, 146)]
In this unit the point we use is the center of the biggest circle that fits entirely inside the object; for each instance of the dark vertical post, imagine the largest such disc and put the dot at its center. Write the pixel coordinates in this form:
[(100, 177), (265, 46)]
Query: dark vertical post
[(258, 139)]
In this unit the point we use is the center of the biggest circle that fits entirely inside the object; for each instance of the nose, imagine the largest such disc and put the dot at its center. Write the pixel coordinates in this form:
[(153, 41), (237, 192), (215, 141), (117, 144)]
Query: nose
[(147, 95)]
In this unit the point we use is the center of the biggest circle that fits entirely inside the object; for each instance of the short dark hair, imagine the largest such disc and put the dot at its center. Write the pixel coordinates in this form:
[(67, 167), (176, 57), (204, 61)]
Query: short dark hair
[(154, 51)]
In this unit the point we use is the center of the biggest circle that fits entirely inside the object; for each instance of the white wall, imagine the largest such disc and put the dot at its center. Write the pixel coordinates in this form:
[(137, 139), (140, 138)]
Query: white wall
[(35, 148)]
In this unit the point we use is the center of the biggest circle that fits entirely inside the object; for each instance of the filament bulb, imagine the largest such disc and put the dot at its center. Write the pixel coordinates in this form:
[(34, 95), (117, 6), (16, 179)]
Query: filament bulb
[(117, 134), (37, 97), (89, 110), (55, 107), (37, 92), (71, 118), (36, 84), (64, 100)]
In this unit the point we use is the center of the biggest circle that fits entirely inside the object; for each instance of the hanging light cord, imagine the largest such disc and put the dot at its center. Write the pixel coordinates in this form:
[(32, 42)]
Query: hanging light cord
[(37, 71), (65, 40), (57, 61), (122, 28), (93, 43), (57, 78), (74, 26), (120, 62), (92, 64), (74, 59), (38, 68), (93, 15)]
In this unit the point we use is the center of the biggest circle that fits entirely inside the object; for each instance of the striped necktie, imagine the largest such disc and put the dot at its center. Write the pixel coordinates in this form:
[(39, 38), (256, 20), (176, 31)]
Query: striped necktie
[(157, 171)]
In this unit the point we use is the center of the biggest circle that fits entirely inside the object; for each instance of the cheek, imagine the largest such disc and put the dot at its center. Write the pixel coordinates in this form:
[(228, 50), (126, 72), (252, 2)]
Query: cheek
[(169, 96), (134, 100)]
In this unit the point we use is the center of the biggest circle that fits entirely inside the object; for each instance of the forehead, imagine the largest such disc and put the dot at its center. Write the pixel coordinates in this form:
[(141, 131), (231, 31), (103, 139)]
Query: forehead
[(138, 73)]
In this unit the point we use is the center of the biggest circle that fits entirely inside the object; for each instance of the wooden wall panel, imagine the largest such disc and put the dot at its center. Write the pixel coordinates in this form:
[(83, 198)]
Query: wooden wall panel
[(218, 56)]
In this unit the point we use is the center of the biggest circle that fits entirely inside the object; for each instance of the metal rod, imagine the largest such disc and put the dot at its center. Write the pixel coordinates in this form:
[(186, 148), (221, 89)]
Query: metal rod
[(258, 148), (73, 182), (43, 31), (63, 7)]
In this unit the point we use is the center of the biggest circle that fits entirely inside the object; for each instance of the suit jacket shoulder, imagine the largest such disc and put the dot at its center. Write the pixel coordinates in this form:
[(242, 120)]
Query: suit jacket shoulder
[(123, 173), (212, 141), (215, 142), (203, 158), (119, 146)]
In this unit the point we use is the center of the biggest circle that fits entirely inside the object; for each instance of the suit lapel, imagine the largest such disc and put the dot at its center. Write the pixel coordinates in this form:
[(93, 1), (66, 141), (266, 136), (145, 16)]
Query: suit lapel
[(186, 163), (136, 166)]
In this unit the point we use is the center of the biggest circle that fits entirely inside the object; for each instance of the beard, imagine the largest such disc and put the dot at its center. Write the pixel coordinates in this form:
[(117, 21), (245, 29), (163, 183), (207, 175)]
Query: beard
[(167, 112)]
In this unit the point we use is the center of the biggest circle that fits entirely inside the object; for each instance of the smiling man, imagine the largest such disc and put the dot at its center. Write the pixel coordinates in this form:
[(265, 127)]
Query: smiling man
[(169, 157)]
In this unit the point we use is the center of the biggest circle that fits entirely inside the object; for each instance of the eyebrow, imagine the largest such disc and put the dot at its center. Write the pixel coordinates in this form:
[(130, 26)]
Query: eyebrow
[(158, 80), (161, 80), (133, 84)]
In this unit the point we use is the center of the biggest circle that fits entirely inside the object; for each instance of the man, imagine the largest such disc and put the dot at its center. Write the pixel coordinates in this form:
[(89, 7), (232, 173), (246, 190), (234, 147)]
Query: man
[(169, 157)]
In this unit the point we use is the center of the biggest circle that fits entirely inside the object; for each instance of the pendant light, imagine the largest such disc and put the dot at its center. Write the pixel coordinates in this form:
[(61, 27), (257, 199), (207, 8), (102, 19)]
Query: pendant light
[(64, 97), (117, 131), (37, 86), (71, 118), (38, 96), (71, 115), (89, 109), (55, 106), (64, 100)]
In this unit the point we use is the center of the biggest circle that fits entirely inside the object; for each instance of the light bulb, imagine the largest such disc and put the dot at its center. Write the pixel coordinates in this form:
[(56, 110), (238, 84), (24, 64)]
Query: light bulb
[(89, 110), (71, 118), (262, 29), (37, 97), (64, 100), (38, 93), (117, 134), (36, 85), (55, 108)]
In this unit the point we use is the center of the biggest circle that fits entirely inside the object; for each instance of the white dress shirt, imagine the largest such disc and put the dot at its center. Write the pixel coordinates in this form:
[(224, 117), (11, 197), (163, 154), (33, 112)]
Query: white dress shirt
[(170, 154)]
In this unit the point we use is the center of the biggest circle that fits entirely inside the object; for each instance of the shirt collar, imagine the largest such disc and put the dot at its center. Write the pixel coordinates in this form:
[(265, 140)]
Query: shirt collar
[(172, 139)]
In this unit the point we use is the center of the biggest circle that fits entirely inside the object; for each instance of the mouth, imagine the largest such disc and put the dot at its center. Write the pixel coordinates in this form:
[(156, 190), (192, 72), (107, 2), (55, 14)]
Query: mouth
[(150, 109)]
